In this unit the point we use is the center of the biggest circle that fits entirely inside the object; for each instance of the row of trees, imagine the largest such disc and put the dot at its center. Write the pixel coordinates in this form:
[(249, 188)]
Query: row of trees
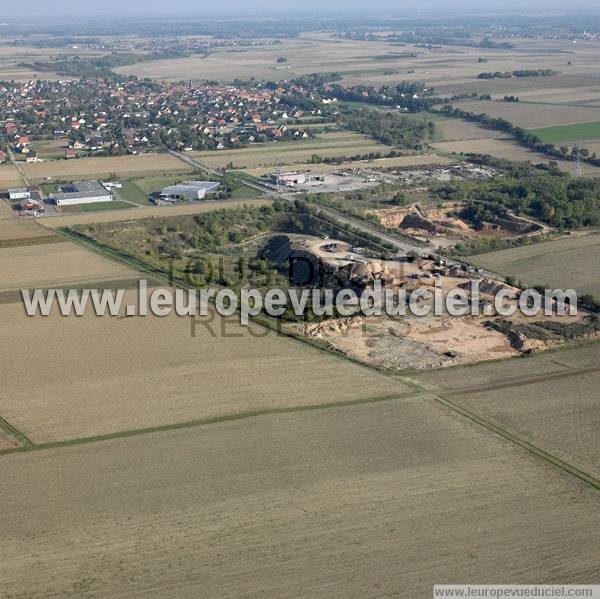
[(518, 73)]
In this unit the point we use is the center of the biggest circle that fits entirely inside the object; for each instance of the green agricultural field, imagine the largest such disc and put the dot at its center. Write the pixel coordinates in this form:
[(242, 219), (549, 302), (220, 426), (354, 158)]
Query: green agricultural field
[(561, 133), (569, 262)]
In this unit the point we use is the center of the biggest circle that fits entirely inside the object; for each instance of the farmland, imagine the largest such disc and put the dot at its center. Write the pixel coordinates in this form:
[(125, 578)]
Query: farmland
[(534, 116), (549, 400), (101, 168), (328, 145), (570, 262), (562, 133), (19, 232), (137, 362), (9, 177), (325, 503), (55, 264), (146, 456)]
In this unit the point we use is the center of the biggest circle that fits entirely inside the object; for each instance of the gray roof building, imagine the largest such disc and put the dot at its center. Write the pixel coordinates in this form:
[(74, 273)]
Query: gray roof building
[(81, 192), (188, 190)]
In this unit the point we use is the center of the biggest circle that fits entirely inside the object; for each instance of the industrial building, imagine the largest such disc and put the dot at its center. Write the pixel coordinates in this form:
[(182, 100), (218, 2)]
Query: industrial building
[(19, 194), (188, 191), (81, 192), (295, 179)]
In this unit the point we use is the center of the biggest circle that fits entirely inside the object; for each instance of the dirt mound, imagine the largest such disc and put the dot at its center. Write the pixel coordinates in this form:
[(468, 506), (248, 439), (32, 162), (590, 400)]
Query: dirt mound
[(318, 330), (521, 342), (416, 221)]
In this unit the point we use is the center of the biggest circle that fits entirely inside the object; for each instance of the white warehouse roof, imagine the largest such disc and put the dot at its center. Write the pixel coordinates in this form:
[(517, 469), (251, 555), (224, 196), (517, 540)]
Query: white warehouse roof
[(190, 187)]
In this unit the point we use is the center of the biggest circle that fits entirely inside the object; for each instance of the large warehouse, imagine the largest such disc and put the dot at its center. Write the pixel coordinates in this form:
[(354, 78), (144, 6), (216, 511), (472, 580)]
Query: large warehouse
[(81, 192), (188, 191)]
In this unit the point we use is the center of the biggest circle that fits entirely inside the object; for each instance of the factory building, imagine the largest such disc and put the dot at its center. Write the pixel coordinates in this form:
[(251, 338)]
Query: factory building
[(81, 192), (188, 191), (19, 194)]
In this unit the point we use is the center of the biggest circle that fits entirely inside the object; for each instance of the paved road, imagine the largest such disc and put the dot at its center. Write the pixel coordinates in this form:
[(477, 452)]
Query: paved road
[(194, 163)]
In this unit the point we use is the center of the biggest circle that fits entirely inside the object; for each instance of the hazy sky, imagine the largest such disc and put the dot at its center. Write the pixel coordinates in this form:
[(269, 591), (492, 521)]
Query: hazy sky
[(77, 8)]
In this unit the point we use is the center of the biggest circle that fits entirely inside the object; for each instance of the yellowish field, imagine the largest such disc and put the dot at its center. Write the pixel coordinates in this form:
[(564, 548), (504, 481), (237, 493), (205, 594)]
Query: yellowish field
[(6, 211), (327, 145), (9, 177), (376, 500), (144, 212), (571, 262), (56, 264), (549, 400), (449, 67), (506, 148), (102, 167), (308, 54), (546, 89), (416, 160), (532, 116), (120, 374), (18, 229)]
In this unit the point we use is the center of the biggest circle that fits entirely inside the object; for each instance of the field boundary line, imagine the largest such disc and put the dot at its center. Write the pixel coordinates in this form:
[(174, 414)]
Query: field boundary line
[(569, 372), (206, 421), (26, 442), (530, 447)]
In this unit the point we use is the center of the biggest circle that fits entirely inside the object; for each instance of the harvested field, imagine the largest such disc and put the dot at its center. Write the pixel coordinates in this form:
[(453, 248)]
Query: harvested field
[(102, 167), (568, 262), (530, 115), (17, 231), (6, 211), (143, 212), (326, 503), (328, 145), (7, 441), (121, 374), (564, 87), (54, 265), (309, 53), (507, 149), (9, 177), (400, 161), (550, 400)]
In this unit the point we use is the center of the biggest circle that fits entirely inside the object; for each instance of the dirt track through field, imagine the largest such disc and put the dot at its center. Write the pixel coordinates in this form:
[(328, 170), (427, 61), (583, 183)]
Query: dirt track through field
[(528, 381)]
